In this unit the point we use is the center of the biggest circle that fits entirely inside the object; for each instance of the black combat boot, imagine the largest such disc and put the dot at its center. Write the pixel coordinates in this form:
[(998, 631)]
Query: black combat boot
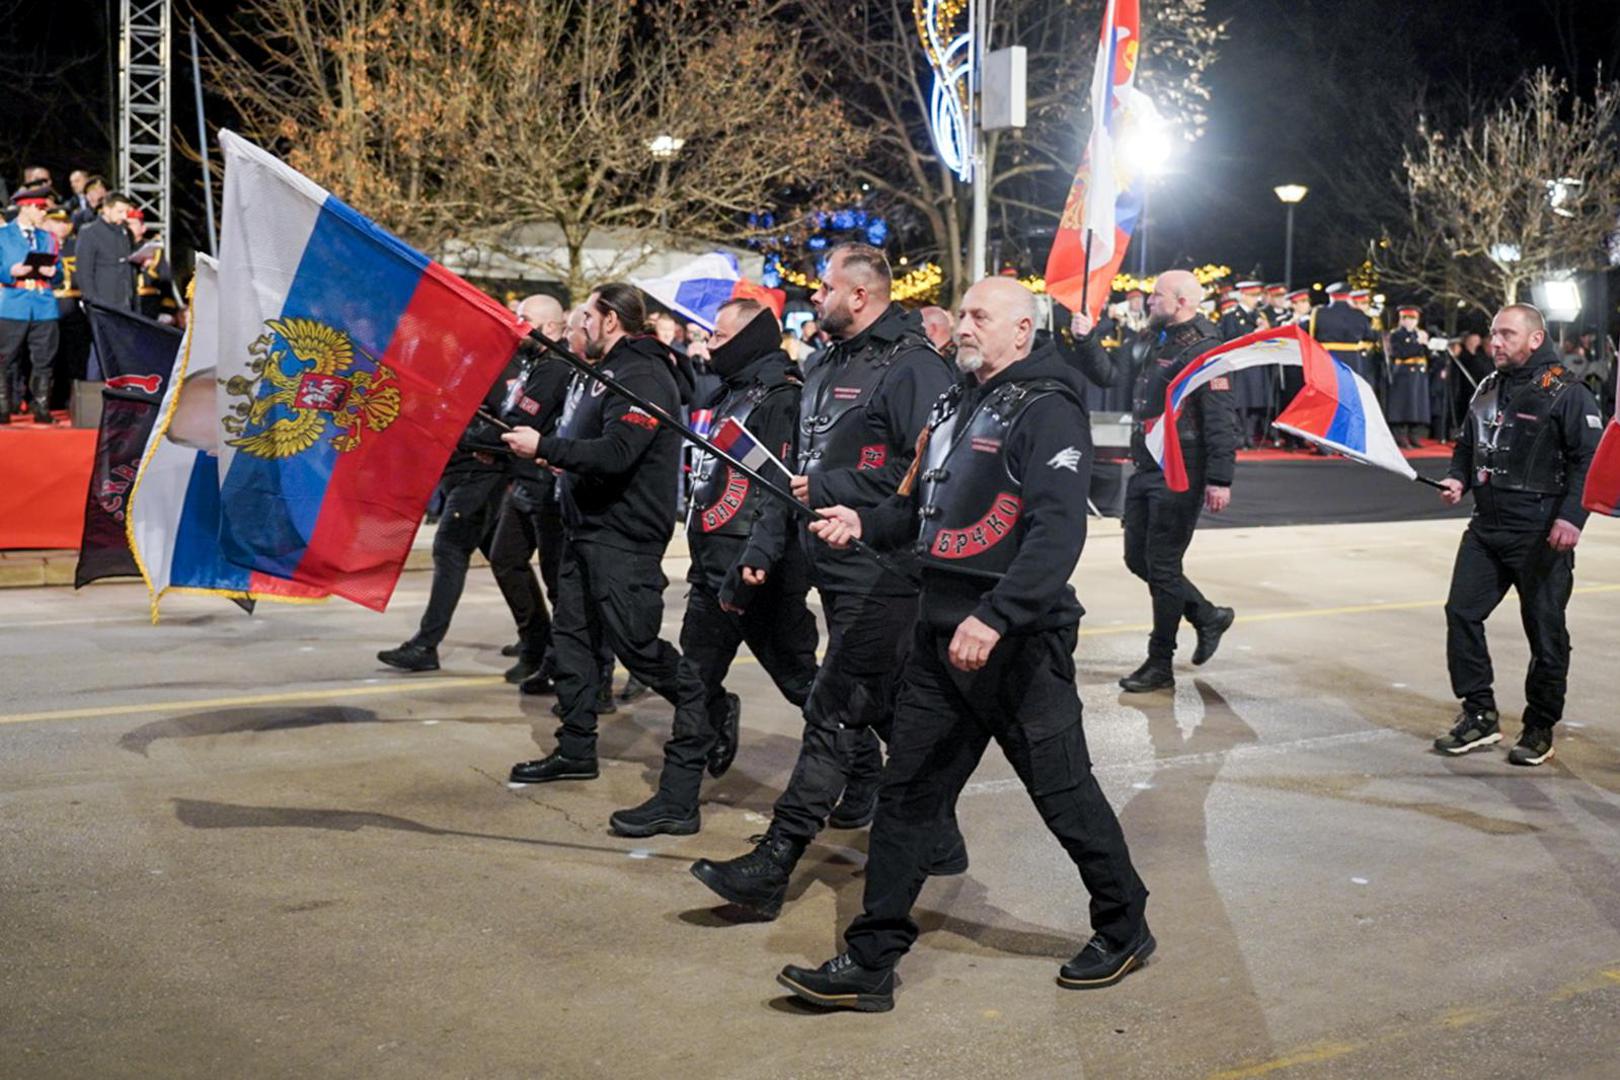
[(841, 983), (724, 750), (1154, 674), (1100, 964), (758, 880), (553, 767), (1209, 633), (659, 814), (857, 807), (411, 657), (5, 406)]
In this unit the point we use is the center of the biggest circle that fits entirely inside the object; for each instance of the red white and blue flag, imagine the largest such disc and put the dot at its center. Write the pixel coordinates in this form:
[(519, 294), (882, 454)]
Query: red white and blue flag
[(1105, 199), (348, 367), (1602, 491), (737, 441), (699, 289), (1336, 410)]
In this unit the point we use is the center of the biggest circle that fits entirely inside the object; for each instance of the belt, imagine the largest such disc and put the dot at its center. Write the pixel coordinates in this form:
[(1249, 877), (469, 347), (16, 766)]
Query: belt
[(1345, 346), (31, 286), (1411, 361)]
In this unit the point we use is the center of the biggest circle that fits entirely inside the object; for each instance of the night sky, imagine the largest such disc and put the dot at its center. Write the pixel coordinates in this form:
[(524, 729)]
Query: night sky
[(1305, 91)]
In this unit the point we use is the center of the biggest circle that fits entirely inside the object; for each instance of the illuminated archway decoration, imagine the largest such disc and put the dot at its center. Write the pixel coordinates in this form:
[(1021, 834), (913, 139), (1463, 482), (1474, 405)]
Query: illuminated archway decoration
[(945, 27)]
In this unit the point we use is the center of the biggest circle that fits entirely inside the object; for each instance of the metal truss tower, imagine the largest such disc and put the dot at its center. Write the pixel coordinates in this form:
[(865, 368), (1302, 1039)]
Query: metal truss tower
[(144, 97)]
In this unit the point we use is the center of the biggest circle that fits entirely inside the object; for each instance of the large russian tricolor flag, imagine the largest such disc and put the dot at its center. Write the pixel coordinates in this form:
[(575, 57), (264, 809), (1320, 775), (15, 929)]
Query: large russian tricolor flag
[(1105, 199), (174, 512), (699, 288), (348, 366), (1336, 409)]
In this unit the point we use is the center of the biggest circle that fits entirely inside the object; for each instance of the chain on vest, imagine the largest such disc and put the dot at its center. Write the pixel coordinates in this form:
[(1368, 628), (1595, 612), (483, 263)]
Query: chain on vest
[(835, 431), (724, 502), (1517, 446), (971, 503)]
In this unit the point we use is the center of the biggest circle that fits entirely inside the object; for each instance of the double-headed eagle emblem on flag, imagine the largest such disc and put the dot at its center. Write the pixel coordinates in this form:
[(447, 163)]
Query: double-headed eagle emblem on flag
[(302, 377)]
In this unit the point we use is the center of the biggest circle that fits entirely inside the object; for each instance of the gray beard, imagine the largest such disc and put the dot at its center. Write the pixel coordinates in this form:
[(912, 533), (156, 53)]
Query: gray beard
[(969, 362)]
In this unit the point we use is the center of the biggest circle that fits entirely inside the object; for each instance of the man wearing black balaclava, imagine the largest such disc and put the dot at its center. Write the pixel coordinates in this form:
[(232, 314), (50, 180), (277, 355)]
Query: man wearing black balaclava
[(760, 391)]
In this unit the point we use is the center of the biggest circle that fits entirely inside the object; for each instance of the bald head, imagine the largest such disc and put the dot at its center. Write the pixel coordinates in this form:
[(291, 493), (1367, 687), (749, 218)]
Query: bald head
[(995, 326), (938, 325), (1175, 299), (543, 313)]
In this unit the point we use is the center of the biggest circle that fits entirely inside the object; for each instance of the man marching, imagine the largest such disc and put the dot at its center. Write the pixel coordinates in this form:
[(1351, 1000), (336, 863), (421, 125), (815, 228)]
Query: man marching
[(996, 505), (760, 392), (864, 403)]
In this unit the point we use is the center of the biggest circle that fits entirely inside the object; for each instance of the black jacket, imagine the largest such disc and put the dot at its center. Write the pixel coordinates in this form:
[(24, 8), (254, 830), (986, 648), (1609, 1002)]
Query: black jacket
[(103, 271), (621, 465), (899, 411), (773, 423), (535, 400), (1207, 426), (1575, 412), (1034, 593)]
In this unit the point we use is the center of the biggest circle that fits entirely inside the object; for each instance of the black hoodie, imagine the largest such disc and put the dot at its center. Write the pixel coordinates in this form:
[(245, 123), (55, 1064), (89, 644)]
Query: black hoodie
[(1034, 593), (620, 464), (1579, 428)]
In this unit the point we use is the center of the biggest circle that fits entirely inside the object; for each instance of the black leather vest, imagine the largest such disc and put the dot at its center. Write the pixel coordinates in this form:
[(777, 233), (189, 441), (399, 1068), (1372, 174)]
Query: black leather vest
[(970, 503), (835, 429), (1517, 444), (724, 502)]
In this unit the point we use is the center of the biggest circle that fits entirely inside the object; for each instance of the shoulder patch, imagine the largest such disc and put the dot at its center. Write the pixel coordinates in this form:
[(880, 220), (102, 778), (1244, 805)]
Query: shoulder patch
[(1067, 458)]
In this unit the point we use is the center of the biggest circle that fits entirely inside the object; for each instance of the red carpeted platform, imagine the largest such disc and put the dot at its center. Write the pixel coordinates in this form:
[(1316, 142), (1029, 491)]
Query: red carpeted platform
[(44, 474)]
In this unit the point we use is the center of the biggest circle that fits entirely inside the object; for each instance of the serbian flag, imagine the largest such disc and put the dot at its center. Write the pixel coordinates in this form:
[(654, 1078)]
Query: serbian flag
[(174, 512), (1602, 491), (1336, 409), (1104, 201), (349, 364), (698, 289)]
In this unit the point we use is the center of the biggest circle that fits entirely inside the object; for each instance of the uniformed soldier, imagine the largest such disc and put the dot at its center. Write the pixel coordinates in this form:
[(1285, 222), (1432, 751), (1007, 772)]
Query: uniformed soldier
[(1277, 310), (154, 278), (1252, 391), (1291, 379), (997, 512), (1407, 408), (759, 391), (864, 404), (1159, 522), (1372, 350), (1343, 330), (1526, 443), (620, 466), (30, 269), (73, 349)]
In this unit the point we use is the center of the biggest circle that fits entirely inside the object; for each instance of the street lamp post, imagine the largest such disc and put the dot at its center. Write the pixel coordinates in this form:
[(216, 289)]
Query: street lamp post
[(663, 148), (1291, 195)]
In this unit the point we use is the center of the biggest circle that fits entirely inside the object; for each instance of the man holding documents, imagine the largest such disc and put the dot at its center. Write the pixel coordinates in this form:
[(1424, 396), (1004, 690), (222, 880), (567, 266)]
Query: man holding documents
[(29, 271)]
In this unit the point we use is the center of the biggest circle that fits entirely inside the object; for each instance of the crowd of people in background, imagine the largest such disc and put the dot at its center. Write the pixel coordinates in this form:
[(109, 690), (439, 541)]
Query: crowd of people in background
[(58, 255)]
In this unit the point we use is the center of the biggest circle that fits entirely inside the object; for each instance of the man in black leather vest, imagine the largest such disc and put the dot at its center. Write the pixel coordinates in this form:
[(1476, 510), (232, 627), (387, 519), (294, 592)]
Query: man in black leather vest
[(759, 390), (619, 466), (864, 403), (533, 399), (996, 511), (1526, 442), (1159, 522)]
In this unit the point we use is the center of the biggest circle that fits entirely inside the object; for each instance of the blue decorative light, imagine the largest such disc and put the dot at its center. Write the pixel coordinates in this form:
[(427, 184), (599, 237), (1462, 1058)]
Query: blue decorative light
[(877, 232), (950, 54)]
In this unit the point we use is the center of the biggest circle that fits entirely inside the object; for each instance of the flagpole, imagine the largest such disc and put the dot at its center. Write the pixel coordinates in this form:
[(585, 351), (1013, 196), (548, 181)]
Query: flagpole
[(1085, 276), (780, 494)]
